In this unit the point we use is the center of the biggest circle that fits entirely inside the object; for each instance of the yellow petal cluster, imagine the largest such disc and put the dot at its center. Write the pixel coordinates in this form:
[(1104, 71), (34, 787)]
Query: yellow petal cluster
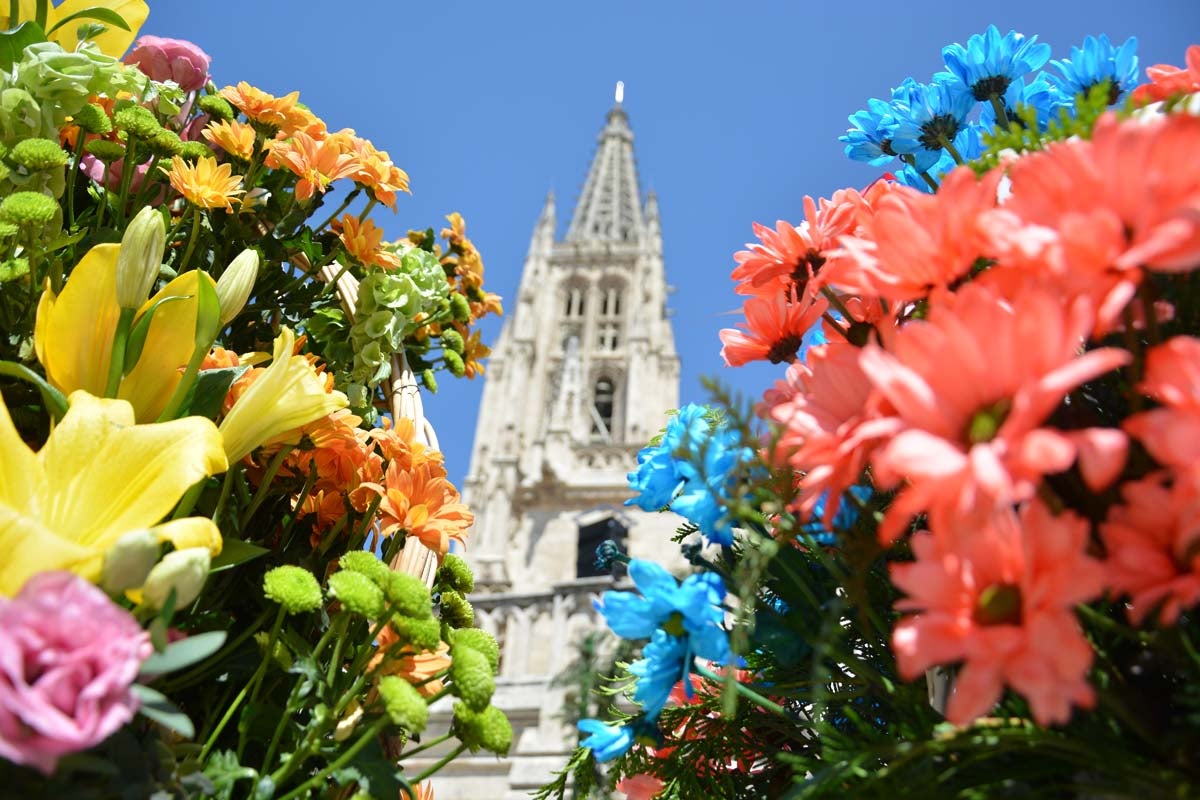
[(113, 42)]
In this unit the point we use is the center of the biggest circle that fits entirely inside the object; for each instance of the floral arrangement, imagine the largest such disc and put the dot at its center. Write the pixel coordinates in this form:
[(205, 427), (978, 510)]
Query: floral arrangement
[(952, 552), (227, 546)]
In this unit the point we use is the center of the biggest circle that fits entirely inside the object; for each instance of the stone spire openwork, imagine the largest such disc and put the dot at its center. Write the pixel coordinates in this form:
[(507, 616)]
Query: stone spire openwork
[(610, 208)]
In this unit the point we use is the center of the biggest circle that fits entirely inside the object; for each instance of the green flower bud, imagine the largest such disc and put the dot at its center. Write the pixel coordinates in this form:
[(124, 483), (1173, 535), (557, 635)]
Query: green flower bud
[(165, 143), (455, 574), (3, 150), (28, 210), (183, 571), (422, 634), (452, 340), (13, 268), (358, 593), (480, 640), (456, 611), (140, 257), (194, 151), (8, 230), (403, 703), (236, 283), (488, 729), (216, 107), (293, 588), (429, 380), (137, 121), (471, 677), (365, 563), (408, 594), (105, 150), (454, 363), (93, 119), (128, 563), (37, 155)]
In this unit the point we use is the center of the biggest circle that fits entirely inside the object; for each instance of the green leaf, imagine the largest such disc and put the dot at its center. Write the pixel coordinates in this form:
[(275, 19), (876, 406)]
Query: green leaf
[(208, 393), (137, 336), (97, 13), (158, 708), (235, 552), (14, 41), (56, 401), (184, 652)]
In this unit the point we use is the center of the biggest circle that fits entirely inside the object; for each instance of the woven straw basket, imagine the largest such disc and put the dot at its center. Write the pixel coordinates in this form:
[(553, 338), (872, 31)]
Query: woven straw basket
[(404, 399)]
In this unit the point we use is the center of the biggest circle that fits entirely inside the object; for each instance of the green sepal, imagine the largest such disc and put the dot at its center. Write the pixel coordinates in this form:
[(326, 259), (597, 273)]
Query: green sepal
[(156, 706)]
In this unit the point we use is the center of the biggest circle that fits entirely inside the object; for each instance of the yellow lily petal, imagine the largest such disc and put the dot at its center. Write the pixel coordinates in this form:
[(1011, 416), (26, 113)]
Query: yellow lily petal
[(287, 395), (17, 476), (30, 547), (190, 532), (169, 344), (102, 475), (114, 41), (74, 331)]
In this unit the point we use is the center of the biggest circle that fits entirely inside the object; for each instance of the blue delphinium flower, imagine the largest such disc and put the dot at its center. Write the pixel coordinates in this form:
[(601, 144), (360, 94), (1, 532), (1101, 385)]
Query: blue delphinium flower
[(1097, 61), (990, 63), (870, 138), (929, 116), (1039, 94), (665, 661)]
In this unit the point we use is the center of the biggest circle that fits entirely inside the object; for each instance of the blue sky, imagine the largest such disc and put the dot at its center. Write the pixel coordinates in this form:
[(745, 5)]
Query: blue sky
[(736, 109)]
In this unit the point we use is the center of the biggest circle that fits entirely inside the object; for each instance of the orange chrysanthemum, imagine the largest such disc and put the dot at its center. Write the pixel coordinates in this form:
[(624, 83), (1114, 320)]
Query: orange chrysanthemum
[(463, 256), (474, 351), (205, 184), (233, 137), (364, 240), (416, 669), (376, 171), (266, 109), (317, 162), (398, 444), (423, 504)]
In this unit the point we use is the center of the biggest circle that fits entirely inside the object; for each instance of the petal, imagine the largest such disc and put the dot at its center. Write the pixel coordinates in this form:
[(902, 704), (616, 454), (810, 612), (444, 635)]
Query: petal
[(190, 532), (976, 690), (104, 475), (1101, 453), (29, 548), (18, 465), (77, 327), (114, 41)]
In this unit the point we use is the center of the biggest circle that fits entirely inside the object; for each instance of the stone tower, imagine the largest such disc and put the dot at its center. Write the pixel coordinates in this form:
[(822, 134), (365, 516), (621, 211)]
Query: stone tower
[(578, 381)]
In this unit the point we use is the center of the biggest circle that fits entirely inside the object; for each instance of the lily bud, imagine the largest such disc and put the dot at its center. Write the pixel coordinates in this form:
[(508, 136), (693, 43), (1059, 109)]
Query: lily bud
[(140, 257), (236, 283), (182, 570), (129, 561)]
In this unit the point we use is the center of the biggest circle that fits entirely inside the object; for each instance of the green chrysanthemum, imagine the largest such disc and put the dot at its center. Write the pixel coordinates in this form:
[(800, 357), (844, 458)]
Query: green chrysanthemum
[(453, 340), (93, 119), (194, 151), (480, 640), (429, 380), (293, 588), (367, 564), (358, 593), (454, 363), (488, 729), (403, 703), (13, 268), (216, 107), (456, 611), (422, 634), (471, 676), (37, 155), (455, 574), (460, 307), (105, 150), (28, 210), (408, 595), (165, 144)]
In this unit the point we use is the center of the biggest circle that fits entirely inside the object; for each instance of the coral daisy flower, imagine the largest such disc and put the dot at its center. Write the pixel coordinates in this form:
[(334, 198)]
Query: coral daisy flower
[(972, 387), (1167, 80), (775, 328), (317, 162), (1171, 433), (233, 137), (1153, 542), (1000, 598), (264, 108), (205, 184), (423, 504)]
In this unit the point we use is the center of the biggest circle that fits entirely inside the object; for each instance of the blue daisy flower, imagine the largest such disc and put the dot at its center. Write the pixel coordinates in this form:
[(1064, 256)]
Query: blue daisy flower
[(1040, 94), (930, 116), (968, 145), (870, 138), (693, 607), (1097, 61), (990, 63)]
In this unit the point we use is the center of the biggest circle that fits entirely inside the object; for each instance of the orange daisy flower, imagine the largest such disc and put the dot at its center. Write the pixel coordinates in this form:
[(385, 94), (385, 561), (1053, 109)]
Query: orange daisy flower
[(398, 444), (474, 351), (775, 327), (424, 505), (1167, 80), (376, 171), (364, 240), (264, 108), (317, 162), (205, 184), (233, 137)]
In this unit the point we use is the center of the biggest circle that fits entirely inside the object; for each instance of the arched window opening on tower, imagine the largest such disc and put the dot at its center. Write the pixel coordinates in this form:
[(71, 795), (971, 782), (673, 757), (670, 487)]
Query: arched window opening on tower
[(575, 297), (603, 399)]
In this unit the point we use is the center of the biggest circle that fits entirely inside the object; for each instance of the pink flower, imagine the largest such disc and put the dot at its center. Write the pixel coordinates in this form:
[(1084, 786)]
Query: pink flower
[(1171, 433), (171, 60), (775, 328), (640, 787), (1152, 541), (972, 387), (999, 598), (68, 656)]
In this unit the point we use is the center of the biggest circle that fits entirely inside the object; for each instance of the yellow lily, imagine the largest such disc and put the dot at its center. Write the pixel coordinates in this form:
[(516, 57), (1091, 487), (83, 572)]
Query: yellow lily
[(113, 42), (98, 477), (285, 396), (73, 335)]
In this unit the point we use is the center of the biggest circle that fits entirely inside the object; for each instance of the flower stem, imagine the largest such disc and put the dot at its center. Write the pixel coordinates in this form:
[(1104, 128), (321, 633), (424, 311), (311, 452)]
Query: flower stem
[(191, 245), (128, 167), (837, 303), (427, 745), (264, 485), (229, 712), (116, 364), (1001, 114), (446, 759), (80, 141), (256, 680), (350, 198), (374, 730), (951, 149), (745, 691)]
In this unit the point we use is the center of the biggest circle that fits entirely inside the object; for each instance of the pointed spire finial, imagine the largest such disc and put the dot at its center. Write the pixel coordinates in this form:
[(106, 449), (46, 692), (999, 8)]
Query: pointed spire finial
[(620, 93)]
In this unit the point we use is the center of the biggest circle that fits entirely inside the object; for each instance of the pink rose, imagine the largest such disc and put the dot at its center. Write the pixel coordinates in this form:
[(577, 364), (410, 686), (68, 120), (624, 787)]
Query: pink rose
[(170, 60), (68, 656)]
